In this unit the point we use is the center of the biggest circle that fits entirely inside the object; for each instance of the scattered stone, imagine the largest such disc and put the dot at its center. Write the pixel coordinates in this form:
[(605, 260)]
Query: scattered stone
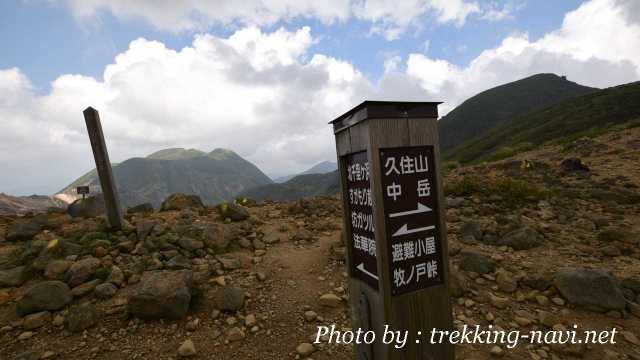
[(26, 335), (190, 244), (36, 320), (250, 320), (330, 300), (471, 228), (116, 276), (590, 287), (82, 270), (187, 349), (305, 349), (229, 262), (57, 269), (523, 238), (229, 298), (476, 262), (86, 288), (271, 238), (499, 302), (179, 262), (58, 320), (235, 334), (496, 351), (22, 230), (192, 325), (181, 201), (233, 211), (162, 294), (506, 282), (105, 290), (46, 295), (82, 317), (14, 277), (310, 315)]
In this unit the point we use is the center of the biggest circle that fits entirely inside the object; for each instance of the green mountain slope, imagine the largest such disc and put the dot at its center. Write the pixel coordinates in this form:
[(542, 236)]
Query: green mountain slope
[(215, 177), (491, 107), (320, 168), (568, 120), (299, 187)]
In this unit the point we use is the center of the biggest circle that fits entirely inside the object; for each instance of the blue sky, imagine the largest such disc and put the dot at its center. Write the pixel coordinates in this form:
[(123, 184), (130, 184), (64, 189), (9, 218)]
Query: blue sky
[(263, 77), (45, 40)]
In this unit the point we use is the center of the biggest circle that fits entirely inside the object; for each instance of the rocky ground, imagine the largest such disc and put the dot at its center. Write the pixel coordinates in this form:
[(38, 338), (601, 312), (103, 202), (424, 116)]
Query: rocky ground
[(541, 241)]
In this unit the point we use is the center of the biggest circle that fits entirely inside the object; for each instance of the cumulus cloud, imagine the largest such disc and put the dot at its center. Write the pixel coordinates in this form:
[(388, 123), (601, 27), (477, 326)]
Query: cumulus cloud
[(597, 45), (268, 97), (254, 92), (389, 18)]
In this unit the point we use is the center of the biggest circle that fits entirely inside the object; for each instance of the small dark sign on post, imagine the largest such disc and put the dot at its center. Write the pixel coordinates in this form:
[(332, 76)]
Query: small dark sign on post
[(394, 227), (101, 157), (82, 190)]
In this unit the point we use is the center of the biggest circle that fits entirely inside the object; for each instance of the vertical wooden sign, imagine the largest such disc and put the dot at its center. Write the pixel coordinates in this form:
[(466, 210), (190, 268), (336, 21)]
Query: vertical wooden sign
[(394, 228), (103, 166)]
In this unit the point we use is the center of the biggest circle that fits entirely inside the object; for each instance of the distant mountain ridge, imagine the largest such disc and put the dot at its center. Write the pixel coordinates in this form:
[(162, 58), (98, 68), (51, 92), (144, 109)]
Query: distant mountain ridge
[(320, 168), (12, 205), (301, 186), (492, 107), (216, 177)]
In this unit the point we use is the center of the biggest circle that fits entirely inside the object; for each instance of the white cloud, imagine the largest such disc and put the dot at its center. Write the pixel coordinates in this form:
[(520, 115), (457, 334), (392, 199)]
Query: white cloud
[(389, 18), (268, 97), (597, 45), (253, 92)]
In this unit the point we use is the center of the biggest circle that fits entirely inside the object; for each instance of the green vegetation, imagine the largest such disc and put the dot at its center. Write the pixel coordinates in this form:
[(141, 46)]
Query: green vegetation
[(488, 109), (299, 187), (508, 192), (589, 115)]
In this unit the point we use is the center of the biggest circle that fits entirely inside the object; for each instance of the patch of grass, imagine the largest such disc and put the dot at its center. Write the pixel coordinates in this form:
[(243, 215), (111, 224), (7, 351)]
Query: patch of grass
[(511, 193)]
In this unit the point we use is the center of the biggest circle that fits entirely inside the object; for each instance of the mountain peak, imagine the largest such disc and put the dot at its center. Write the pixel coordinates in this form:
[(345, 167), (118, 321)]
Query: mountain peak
[(222, 154), (175, 154), (491, 107)]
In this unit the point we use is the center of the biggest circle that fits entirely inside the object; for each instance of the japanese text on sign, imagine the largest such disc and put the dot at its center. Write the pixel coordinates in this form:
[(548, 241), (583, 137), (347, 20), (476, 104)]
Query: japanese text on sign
[(360, 211), (411, 218)]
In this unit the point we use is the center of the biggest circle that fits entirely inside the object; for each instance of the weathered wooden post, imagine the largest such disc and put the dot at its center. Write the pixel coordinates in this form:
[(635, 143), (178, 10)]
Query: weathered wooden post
[(101, 156), (397, 254)]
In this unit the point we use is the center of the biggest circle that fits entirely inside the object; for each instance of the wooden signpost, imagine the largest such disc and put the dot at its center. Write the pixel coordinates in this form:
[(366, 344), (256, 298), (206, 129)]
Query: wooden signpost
[(397, 254), (101, 156)]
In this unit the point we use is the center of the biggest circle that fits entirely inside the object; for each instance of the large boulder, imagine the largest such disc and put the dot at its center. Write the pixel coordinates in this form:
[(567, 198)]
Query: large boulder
[(93, 206), (590, 288), (82, 317), (233, 211), (47, 295), (23, 229), (162, 294), (476, 262), (181, 201), (229, 298), (14, 277), (82, 271), (521, 239)]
